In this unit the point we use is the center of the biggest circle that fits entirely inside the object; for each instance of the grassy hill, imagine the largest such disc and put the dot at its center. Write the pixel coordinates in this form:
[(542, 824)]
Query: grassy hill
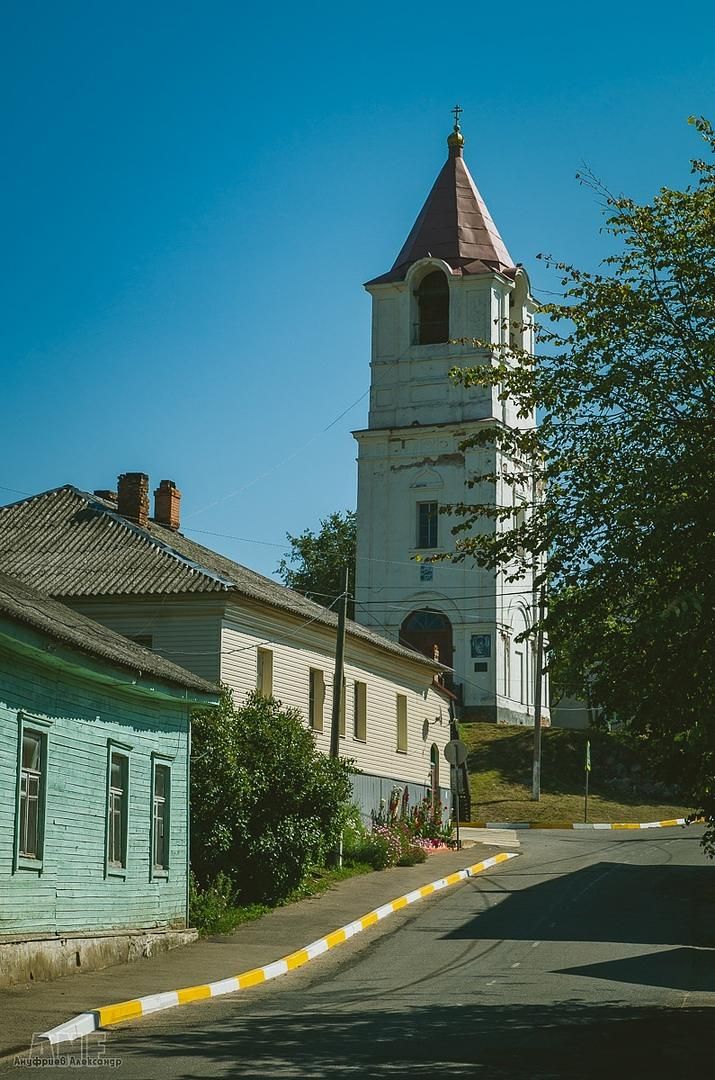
[(620, 789)]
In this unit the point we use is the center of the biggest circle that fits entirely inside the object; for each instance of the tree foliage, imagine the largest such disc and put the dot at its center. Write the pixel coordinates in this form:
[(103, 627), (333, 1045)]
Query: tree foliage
[(316, 563), (623, 461), (266, 805)]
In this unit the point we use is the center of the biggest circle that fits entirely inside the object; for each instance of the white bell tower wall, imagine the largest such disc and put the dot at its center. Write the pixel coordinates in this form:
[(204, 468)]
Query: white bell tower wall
[(410, 464)]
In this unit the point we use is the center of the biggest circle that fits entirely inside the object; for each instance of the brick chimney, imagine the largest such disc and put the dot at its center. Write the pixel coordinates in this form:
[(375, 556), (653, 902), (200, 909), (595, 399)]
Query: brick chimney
[(167, 499), (133, 497)]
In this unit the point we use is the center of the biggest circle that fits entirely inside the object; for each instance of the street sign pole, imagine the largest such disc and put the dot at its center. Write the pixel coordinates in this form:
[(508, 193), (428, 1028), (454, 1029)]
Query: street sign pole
[(456, 790), (456, 754), (538, 683), (587, 770)]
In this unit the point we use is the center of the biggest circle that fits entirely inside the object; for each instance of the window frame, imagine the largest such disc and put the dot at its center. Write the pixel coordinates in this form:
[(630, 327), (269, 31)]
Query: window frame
[(342, 716), (264, 664), (360, 713), (160, 872), (122, 750), (39, 726), (316, 699), (431, 523), (401, 737)]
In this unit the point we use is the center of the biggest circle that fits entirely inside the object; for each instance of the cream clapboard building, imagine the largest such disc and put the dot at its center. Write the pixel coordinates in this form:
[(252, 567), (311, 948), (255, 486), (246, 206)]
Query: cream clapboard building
[(104, 556), (453, 279)]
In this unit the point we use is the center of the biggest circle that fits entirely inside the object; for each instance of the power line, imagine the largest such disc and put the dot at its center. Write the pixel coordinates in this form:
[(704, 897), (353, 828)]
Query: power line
[(243, 539), (283, 461)]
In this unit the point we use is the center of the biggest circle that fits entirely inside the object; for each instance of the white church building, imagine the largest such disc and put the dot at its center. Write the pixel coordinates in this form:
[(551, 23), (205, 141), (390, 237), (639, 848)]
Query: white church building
[(453, 279)]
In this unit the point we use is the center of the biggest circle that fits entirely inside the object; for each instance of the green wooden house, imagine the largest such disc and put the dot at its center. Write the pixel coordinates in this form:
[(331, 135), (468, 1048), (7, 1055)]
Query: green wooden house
[(94, 759)]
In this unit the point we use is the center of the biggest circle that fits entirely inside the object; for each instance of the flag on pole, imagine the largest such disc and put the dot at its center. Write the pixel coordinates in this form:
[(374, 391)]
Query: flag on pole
[(588, 755)]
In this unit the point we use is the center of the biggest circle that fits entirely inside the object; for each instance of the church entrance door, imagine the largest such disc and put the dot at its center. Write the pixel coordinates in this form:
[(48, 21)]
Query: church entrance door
[(425, 630)]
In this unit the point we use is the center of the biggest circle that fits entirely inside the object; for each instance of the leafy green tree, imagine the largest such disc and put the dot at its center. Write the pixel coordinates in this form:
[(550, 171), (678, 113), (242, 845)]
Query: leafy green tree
[(266, 805), (316, 563), (623, 461)]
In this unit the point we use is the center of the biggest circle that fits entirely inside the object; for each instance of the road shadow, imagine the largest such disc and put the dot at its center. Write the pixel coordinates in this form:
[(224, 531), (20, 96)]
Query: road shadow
[(619, 902), (687, 969), (568, 1039)]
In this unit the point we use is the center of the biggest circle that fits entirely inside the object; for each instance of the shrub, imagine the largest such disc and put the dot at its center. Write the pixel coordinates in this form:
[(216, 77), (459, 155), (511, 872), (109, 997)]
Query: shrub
[(265, 804), (427, 821), (398, 840), (213, 910), (360, 845)]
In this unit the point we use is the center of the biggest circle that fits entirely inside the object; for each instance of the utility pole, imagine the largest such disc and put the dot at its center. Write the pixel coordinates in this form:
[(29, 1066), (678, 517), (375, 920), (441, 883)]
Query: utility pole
[(536, 774), (339, 666)]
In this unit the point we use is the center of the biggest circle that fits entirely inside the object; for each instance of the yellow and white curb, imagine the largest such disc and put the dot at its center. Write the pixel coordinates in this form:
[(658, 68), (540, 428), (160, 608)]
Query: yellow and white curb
[(575, 824), (87, 1022)]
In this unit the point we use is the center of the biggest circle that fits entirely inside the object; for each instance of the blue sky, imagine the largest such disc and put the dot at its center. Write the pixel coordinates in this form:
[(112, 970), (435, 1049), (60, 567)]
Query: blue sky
[(196, 192)]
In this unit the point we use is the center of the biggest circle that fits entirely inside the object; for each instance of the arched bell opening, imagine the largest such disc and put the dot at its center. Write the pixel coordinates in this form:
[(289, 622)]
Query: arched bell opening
[(433, 309)]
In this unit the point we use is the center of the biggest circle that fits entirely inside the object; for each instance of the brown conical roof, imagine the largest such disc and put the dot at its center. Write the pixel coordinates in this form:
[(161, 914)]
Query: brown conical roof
[(454, 224)]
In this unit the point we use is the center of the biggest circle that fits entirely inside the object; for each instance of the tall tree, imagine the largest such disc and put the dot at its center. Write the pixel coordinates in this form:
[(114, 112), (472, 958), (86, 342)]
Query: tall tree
[(624, 461), (316, 563)]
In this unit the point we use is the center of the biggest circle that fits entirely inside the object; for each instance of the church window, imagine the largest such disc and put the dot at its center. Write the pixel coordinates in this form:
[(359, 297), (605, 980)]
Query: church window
[(425, 619), (433, 309), (427, 517)]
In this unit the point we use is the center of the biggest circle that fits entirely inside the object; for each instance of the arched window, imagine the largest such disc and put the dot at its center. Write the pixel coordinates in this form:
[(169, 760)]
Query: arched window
[(433, 309), (424, 630)]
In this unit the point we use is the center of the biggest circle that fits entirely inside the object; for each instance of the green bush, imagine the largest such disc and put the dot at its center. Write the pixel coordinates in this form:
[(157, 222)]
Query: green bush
[(213, 910), (266, 805), (360, 845)]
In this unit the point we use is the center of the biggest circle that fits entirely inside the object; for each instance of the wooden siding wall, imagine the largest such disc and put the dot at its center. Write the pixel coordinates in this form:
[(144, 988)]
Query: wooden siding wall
[(297, 649), (71, 892), (186, 631)]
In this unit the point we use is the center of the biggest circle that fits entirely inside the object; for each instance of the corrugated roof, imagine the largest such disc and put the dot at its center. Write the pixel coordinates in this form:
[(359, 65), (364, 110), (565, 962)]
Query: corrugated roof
[(29, 606), (69, 543), (454, 225)]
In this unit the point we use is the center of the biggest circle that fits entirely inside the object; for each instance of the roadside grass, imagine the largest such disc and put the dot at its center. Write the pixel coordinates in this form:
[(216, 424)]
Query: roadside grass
[(500, 763), (213, 912)]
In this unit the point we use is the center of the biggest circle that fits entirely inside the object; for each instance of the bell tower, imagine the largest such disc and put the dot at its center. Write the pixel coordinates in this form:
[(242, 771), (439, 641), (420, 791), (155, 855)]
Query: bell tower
[(452, 280)]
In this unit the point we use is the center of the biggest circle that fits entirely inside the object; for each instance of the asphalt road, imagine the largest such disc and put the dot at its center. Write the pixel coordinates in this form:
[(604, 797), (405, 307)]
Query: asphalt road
[(589, 956)]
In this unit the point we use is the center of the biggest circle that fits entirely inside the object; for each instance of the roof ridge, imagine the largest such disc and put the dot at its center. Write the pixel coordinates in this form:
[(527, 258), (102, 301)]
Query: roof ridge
[(147, 537), (47, 615)]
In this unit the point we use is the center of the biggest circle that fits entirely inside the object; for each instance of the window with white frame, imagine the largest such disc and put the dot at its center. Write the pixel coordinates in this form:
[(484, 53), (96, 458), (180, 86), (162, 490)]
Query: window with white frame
[(316, 699), (343, 695), (264, 672), (360, 711), (160, 816), (427, 518), (32, 783), (401, 712), (117, 809)]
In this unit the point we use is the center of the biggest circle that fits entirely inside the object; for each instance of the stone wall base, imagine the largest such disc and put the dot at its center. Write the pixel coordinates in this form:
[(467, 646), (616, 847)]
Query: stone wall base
[(498, 714), (41, 957)]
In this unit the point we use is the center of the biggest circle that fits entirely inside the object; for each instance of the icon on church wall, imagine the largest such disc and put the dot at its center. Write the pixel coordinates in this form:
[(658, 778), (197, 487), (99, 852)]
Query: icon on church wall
[(426, 572), (481, 645)]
